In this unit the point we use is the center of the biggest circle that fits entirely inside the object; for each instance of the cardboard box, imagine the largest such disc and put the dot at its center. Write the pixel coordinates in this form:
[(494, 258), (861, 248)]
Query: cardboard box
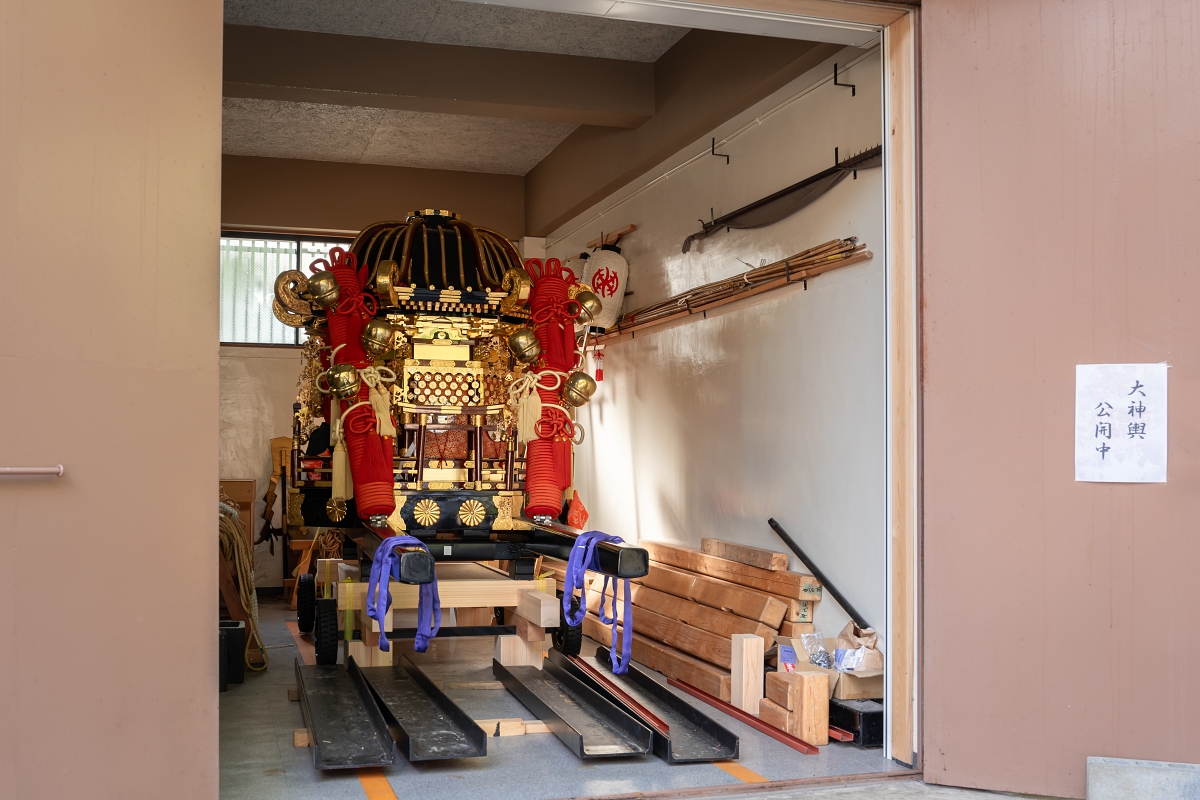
[(860, 686)]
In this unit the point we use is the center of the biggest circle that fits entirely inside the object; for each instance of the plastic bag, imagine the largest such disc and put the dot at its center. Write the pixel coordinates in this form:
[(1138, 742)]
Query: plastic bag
[(814, 645), (845, 660)]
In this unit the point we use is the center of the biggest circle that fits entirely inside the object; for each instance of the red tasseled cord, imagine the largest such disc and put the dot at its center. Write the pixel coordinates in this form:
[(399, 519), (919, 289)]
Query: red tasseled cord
[(548, 458), (370, 454)]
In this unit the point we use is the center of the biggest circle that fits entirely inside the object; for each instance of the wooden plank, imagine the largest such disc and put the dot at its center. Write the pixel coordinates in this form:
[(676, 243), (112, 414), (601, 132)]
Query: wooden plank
[(746, 672), (512, 726), (797, 610), (810, 719), (665, 659), (293, 694), (745, 554), (525, 629), (786, 584), (537, 607), (793, 629), (775, 715), (900, 160), (716, 593), (700, 643), (698, 615), (453, 593)]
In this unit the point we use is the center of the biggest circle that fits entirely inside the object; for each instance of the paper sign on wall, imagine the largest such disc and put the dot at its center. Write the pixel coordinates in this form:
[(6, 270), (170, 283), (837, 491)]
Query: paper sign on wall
[(1121, 423)]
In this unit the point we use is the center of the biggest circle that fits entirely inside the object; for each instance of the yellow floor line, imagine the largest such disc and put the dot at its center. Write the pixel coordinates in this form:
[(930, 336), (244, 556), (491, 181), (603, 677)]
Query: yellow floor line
[(375, 784), (741, 773)]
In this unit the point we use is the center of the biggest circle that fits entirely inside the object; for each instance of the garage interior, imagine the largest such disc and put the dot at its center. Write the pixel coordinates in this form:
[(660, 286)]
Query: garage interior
[(728, 171)]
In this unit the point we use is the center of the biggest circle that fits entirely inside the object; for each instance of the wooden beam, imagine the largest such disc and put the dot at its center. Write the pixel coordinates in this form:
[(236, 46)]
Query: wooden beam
[(700, 643), (512, 726), (786, 584), (665, 659), (810, 719), (774, 714), (716, 593), (459, 585), (612, 236), (374, 72), (513, 651), (525, 629), (745, 554), (746, 671), (903, 302), (698, 615)]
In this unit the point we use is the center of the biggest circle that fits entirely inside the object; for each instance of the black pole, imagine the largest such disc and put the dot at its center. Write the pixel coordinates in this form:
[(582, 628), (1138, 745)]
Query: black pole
[(816, 571)]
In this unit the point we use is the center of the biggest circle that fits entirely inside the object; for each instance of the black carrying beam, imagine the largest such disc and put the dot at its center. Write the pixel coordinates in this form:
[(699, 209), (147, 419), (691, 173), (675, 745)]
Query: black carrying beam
[(816, 571), (587, 723), (616, 560), (346, 729), (426, 724), (692, 736)]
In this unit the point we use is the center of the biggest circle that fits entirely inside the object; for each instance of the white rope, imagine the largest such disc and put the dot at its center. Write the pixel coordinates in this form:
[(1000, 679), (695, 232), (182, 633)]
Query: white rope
[(234, 547)]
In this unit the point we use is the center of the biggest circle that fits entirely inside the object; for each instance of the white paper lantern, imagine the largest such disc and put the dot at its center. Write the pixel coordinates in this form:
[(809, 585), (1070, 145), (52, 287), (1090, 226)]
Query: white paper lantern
[(607, 272)]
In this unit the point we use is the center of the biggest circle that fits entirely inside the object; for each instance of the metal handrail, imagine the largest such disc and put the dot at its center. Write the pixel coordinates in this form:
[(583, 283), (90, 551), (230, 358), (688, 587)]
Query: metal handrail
[(55, 471)]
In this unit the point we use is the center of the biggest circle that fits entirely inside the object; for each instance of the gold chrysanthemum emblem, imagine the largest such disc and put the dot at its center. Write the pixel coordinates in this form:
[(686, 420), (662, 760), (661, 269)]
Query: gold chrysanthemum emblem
[(471, 513), (427, 513)]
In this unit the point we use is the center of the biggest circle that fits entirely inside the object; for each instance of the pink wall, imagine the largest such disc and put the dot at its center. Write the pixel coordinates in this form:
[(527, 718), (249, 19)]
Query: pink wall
[(1061, 201), (110, 143)]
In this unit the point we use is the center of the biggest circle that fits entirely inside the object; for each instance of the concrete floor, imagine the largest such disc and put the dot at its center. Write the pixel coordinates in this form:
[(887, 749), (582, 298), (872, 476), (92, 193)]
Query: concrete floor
[(259, 761), (899, 790)]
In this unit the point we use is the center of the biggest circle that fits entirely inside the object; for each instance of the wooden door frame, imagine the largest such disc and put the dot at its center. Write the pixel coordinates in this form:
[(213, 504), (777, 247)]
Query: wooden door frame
[(899, 30)]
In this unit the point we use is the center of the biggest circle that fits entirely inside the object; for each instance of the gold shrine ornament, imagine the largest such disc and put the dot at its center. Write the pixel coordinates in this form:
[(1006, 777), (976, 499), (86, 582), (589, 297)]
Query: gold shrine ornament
[(471, 513), (335, 509), (427, 513)]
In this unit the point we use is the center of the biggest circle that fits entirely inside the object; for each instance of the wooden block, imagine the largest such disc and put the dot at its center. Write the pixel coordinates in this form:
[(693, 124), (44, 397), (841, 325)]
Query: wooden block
[(715, 593), (793, 630), (774, 715), (746, 672), (665, 659), (536, 726), (782, 689), (482, 615), (785, 584), (745, 554), (368, 655), (366, 624), (539, 608), (700, 643), (513, 651), (810, 720), (300, 737), (293, 694), (698, 615), (525, 629)]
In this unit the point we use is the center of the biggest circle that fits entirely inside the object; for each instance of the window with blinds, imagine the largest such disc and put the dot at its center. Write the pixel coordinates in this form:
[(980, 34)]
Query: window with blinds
[(249, 266)]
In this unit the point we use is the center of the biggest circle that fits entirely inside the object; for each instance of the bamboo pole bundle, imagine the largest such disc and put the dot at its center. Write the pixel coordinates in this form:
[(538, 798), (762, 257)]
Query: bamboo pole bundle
[(815, 261)]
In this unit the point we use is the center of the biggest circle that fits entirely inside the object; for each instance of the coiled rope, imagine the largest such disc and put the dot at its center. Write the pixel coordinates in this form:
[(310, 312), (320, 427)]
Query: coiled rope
[(234, 548)]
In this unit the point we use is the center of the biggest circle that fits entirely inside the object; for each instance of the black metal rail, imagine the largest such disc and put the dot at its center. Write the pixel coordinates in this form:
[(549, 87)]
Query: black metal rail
[(346, 729)]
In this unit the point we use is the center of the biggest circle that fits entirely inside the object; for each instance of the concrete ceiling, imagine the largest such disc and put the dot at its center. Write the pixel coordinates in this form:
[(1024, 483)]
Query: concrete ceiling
[(463, 23), (368, 109), (322, 132)]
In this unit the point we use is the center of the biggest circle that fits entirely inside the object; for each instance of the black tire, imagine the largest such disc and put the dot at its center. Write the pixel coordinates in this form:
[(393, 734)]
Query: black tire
[(306, 602), (568, 639), (326, 635)]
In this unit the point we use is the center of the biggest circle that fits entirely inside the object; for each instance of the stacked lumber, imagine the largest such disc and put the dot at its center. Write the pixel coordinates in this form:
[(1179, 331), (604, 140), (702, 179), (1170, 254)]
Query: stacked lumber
[(692, 603)]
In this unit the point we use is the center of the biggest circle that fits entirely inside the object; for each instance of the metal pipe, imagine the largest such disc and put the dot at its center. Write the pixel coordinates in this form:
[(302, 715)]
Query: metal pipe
[(55, 471), (816, 571)]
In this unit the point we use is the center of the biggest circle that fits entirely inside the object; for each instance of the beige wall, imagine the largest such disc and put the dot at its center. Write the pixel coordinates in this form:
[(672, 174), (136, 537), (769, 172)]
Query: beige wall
[(258, 387), (109, 197), (768, 408), (285, 193), (1060, 227)]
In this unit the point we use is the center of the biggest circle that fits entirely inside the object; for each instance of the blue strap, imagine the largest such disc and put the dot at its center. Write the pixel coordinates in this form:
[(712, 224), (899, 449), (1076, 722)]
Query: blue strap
[(386, 567), (583, 557)]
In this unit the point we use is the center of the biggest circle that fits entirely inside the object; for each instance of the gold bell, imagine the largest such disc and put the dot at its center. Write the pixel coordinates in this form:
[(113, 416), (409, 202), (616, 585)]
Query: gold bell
[(524, 345), (323, 287), (379, 339), (589, 306), (578, 388), (343, 380)]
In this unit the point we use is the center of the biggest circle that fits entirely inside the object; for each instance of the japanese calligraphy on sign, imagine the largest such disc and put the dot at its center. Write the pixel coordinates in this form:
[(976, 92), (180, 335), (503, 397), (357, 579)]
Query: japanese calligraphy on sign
[(1121, 423)]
